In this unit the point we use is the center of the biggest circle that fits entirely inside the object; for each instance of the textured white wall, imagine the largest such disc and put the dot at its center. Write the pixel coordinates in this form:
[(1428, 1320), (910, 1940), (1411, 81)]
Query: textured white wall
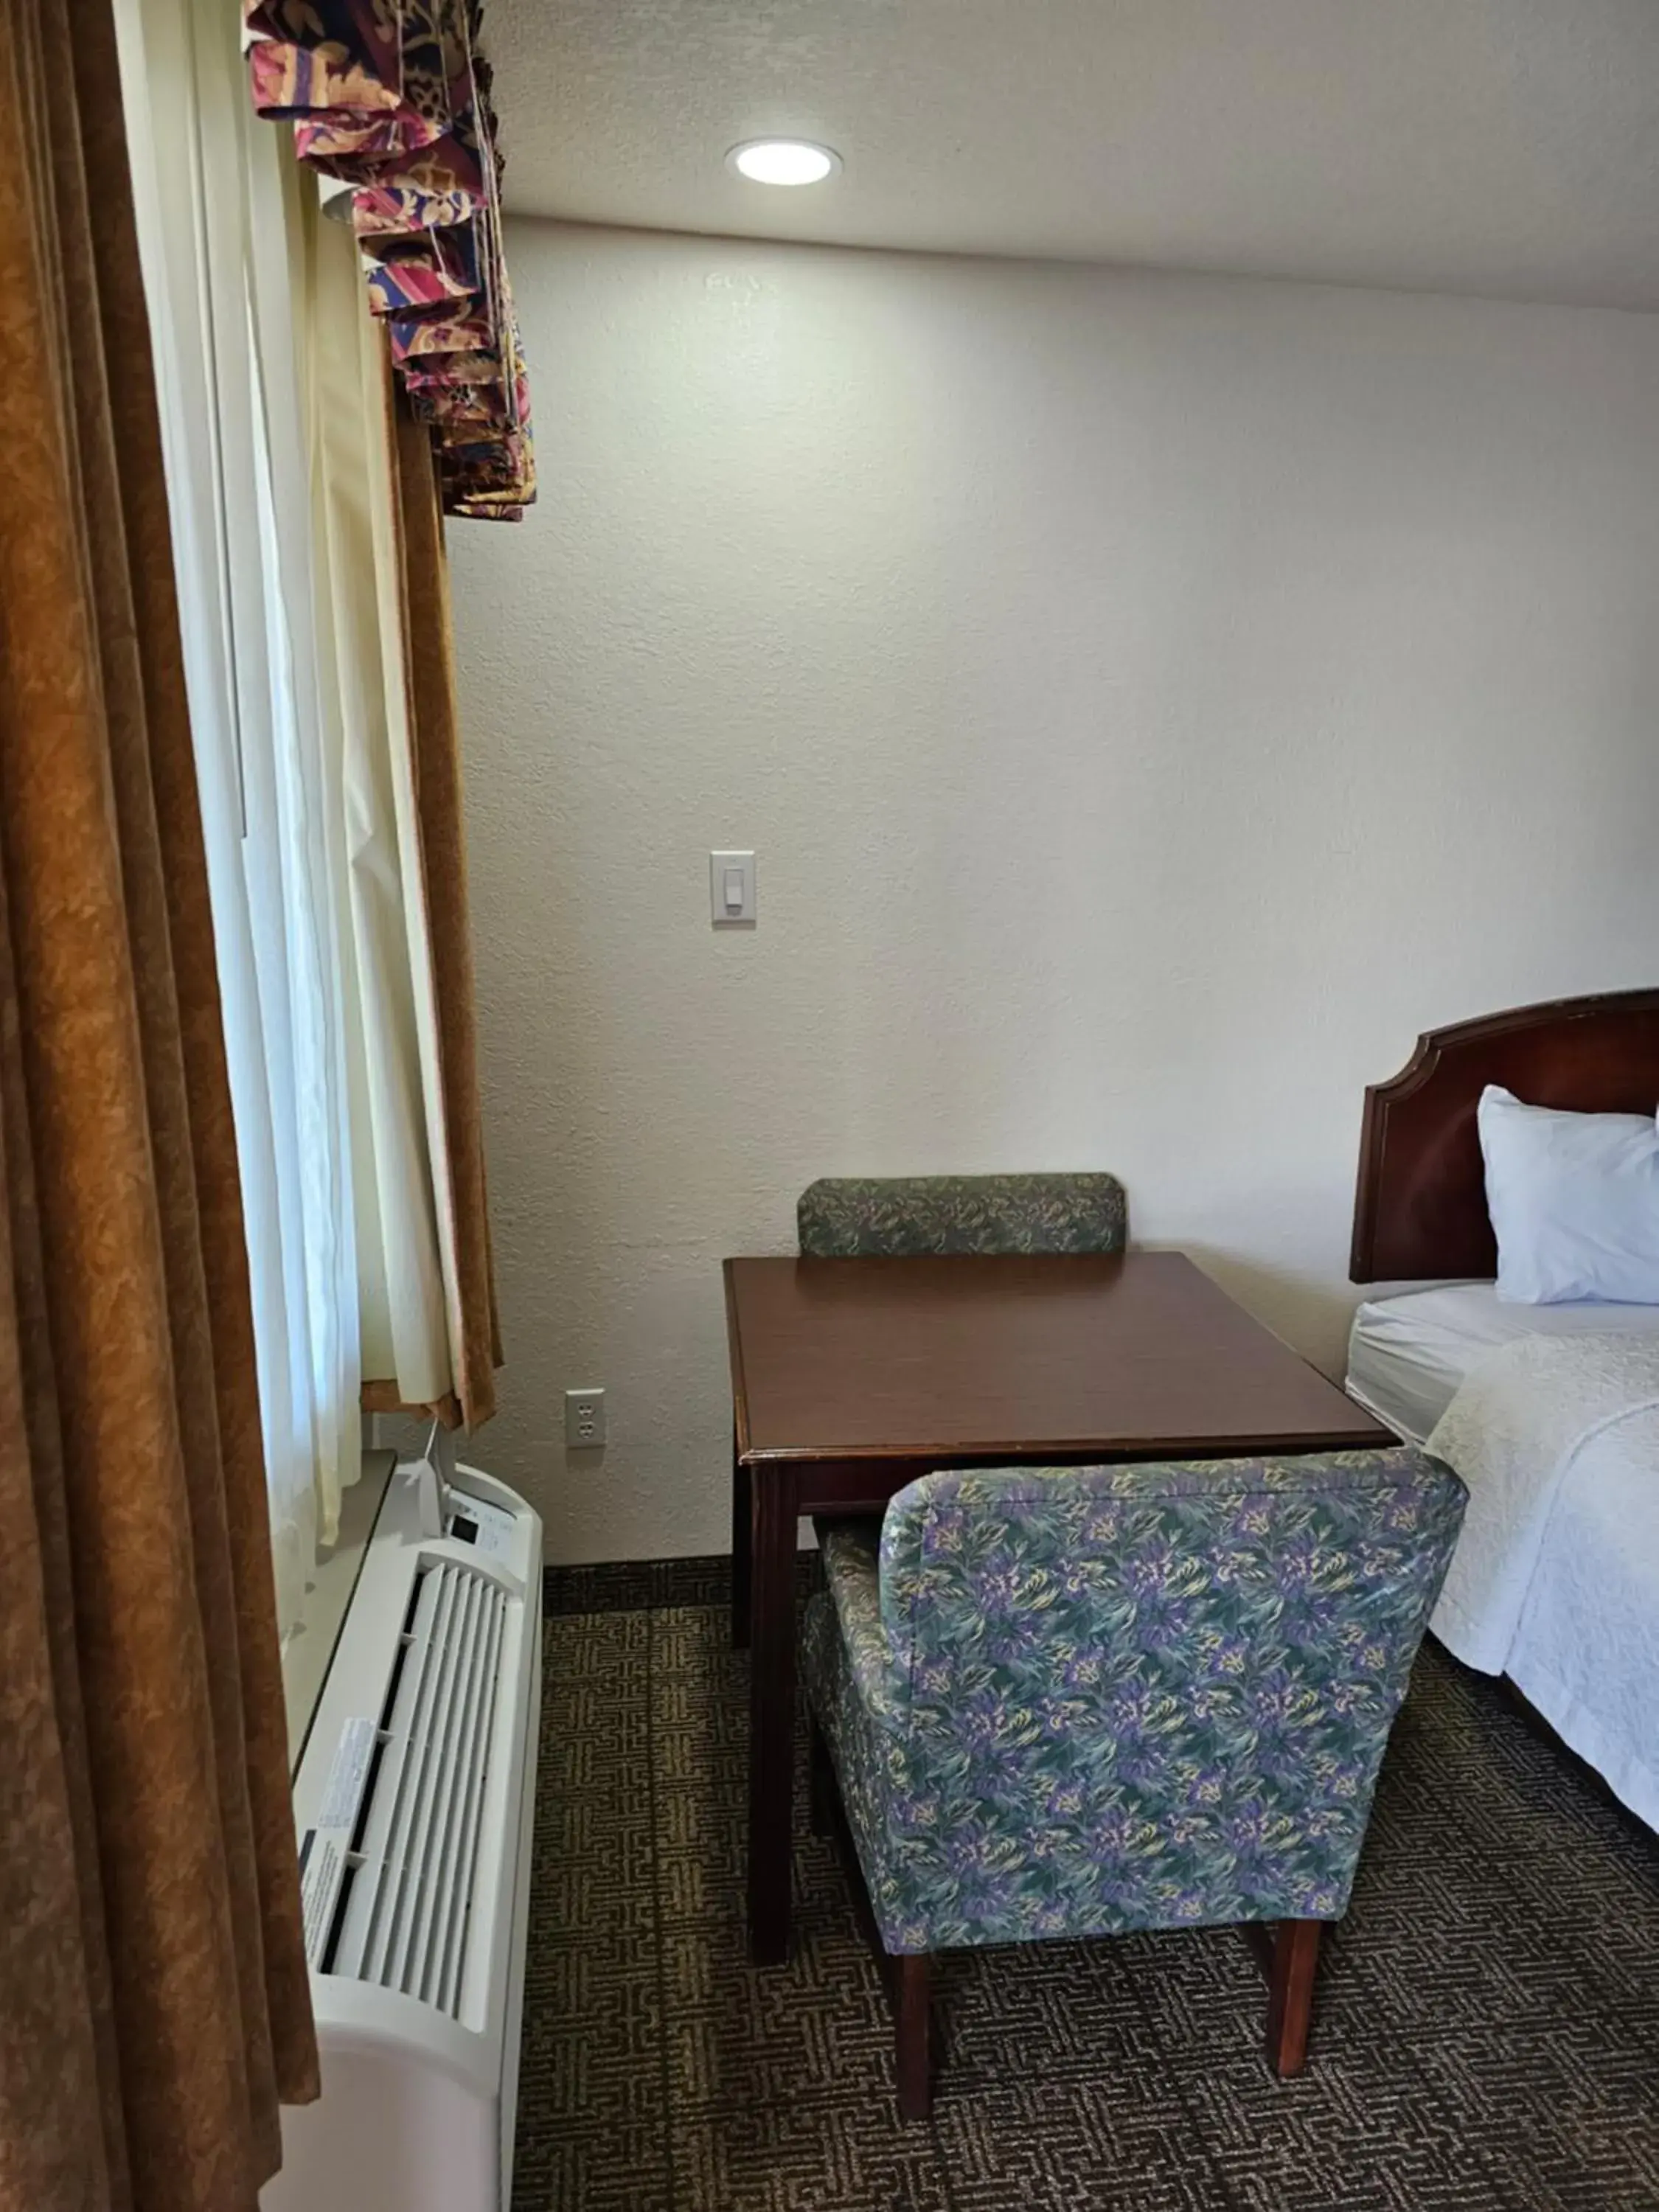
[(1152, 701)]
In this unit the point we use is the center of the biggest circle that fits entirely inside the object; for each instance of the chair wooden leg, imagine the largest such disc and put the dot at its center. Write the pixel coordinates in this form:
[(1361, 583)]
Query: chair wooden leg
[(821, 1793), (913, 2063), (1290, 1993)]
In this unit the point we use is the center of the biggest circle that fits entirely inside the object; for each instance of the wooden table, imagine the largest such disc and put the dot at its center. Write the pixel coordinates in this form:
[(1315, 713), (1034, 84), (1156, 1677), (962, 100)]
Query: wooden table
[(852, 1377)]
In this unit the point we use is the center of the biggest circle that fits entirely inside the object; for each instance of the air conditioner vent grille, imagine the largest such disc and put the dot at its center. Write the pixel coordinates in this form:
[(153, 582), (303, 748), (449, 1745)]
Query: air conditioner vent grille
[(403, 1924)]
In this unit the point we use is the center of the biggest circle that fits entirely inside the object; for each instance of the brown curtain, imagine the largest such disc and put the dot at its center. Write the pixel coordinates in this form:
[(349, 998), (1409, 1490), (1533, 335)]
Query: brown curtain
[(154, 2003), (434, 732)]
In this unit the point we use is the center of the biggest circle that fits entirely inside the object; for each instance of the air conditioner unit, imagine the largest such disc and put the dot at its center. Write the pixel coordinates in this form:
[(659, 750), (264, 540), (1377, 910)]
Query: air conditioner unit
[(413, 1800)]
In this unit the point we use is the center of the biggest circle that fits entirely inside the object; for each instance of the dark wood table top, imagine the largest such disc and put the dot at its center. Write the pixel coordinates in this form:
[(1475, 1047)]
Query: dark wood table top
[(1138, 1355)]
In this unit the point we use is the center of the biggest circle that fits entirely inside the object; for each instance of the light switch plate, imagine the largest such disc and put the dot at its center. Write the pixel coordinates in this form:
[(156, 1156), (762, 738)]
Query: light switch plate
[(731, 887)]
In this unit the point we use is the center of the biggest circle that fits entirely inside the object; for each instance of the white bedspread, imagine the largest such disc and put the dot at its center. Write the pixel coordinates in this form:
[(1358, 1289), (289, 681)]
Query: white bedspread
[(1555, 1581)]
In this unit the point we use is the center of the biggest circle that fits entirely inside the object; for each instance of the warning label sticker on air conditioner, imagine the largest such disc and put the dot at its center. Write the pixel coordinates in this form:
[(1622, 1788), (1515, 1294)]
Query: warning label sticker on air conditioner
[(324, 1845)]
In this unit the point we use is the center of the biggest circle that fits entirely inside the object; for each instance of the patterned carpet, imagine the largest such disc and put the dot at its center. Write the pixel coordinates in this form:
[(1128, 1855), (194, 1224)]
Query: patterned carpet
[(1485, 2031)]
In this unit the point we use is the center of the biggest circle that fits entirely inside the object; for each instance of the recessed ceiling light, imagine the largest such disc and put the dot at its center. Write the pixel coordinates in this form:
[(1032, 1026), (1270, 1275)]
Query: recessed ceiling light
[(783, 161)]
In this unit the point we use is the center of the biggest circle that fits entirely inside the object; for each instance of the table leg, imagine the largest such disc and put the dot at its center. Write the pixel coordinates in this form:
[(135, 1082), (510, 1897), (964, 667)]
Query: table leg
[(742, 1538), (773, 1514)]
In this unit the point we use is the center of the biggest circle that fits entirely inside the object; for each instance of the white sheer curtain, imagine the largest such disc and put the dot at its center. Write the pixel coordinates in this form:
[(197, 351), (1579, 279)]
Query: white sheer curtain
[(403, 1210), (284, 537)]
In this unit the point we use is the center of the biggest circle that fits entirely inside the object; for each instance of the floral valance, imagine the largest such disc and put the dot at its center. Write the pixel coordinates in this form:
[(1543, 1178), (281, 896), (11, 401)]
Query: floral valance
[(392, 97)]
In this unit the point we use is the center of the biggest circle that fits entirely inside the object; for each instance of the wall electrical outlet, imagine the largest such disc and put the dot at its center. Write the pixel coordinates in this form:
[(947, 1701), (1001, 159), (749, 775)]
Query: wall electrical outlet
[(584, 1419)]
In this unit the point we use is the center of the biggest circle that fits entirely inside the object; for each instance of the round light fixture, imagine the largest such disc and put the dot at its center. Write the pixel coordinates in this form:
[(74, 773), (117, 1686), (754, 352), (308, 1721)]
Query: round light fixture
[(783, 161)]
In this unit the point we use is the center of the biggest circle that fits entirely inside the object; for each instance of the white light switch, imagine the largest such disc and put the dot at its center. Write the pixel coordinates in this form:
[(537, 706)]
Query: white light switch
[(731, 886)]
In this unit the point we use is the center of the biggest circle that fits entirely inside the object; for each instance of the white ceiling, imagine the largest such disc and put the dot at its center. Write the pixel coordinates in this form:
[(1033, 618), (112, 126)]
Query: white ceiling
[(1504, 147)]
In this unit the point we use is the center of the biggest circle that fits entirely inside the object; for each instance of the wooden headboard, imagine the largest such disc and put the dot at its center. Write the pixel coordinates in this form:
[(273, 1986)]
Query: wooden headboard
[(1421, 1208)]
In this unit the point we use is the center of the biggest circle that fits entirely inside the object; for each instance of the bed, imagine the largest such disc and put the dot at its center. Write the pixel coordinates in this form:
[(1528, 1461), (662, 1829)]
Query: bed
[(1409, 1355), (1550, 1413)]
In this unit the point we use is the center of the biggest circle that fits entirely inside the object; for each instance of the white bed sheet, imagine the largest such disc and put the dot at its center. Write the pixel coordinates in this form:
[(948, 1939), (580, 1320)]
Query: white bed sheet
[(1555, 1581), (1586, 1650), (1408, 1355)]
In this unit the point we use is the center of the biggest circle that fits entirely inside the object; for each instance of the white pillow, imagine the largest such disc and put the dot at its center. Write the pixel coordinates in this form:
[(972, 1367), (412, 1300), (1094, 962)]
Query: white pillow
[(1574, 1200)]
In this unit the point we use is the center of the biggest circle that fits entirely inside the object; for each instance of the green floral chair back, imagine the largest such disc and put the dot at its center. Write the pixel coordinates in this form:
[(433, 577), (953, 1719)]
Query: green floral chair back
[(843, 1217), (1079, 1701)]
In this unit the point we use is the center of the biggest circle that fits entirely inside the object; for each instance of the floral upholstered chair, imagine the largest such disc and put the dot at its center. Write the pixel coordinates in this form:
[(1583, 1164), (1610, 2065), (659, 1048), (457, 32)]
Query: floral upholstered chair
[(848, 1218), (1079, 1701)]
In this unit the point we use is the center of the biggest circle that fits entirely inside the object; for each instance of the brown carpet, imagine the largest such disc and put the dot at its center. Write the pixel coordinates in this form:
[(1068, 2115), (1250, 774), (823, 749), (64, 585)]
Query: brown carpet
[(1485, 2032)]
